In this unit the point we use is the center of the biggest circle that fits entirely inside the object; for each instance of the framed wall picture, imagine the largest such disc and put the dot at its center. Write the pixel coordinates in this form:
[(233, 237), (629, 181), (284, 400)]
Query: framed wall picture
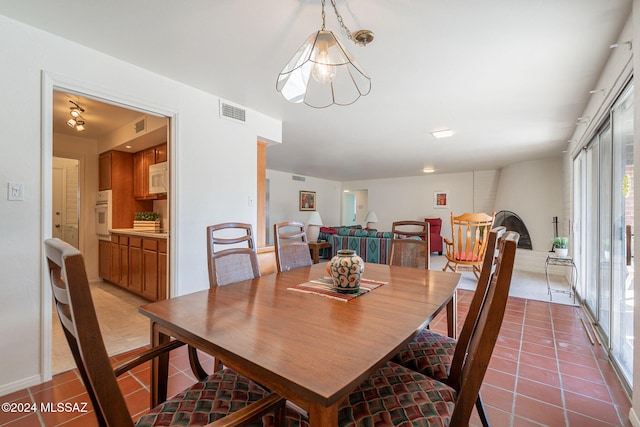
[(441, 199), (307, 200)]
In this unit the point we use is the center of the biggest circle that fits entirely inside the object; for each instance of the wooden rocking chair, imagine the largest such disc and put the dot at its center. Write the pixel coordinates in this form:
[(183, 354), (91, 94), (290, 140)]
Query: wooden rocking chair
[(469, 236)]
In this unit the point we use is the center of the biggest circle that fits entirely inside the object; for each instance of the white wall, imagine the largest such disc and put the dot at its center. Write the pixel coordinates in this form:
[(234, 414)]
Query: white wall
[(533, 190), (283, 199), (209, 186)]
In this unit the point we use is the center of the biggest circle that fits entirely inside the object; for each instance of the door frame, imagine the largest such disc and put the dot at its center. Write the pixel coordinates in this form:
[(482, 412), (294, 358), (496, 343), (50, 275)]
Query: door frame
[(50, 82)]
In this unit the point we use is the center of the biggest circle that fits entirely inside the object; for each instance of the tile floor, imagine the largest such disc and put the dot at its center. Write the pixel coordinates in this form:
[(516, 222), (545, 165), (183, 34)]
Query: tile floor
[(544, 372)]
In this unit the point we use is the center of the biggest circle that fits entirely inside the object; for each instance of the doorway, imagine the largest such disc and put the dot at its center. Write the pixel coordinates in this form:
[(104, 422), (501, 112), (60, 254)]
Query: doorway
[(355, 205), (603, 224), (70, 159)]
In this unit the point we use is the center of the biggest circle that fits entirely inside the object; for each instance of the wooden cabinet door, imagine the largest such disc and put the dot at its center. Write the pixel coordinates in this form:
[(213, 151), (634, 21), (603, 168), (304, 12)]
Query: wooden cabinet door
[(139, 173), (123, 252), (104, 259), (115, 261), (104, 171), (135, 264), (150, 267), (161, 153), (162, 269)]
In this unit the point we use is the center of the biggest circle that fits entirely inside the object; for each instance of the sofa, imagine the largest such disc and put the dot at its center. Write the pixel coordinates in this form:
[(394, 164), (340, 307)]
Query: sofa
[(371, 245), (435, 236)]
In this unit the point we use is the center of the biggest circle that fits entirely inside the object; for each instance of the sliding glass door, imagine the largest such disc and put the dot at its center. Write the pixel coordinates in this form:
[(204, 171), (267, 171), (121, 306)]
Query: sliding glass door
[(603, 230)]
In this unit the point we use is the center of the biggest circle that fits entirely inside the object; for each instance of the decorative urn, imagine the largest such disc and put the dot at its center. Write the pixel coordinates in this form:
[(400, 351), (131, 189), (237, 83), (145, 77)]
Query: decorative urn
[(346, 271)]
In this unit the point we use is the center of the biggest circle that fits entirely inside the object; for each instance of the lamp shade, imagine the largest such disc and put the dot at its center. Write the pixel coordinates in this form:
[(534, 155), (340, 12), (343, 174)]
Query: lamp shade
[(323, 73), (314, 219), (371, 217)]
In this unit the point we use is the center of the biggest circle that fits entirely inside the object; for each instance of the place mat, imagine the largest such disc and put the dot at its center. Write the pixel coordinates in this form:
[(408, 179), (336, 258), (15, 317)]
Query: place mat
[(323, 286)]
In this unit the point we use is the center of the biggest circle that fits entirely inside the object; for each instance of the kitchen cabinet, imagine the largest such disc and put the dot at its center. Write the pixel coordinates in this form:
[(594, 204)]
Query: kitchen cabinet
[(104, 259), (141, 162), (135, 263), (116, 174)]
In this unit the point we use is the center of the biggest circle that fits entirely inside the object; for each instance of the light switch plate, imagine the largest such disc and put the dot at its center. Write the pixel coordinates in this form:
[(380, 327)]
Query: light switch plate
[(16, 191)]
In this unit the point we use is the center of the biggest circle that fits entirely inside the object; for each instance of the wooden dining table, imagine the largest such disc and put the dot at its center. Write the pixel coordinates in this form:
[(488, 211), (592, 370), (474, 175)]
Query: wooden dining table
[(310, 348)]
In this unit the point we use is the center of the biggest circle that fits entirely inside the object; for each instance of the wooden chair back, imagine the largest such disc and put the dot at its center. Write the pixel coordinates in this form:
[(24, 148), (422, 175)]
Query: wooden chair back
[(236, 262), (468, 375), (77, 315), (477, 302), (469, 235), (410, 244), (292, 249)]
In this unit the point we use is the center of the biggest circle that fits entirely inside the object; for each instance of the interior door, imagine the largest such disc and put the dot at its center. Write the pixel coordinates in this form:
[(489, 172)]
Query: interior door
[(348, 209)]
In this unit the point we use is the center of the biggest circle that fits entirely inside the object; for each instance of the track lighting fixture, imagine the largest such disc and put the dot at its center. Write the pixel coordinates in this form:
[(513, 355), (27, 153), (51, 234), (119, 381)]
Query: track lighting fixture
[(76, 121)]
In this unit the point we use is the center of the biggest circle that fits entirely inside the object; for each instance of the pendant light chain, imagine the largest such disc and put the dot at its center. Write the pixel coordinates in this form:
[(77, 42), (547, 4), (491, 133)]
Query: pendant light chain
[(342, 24)]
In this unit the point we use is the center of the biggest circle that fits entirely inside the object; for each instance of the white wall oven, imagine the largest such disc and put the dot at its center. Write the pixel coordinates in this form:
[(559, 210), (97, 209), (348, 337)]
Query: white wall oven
[(103, 214)]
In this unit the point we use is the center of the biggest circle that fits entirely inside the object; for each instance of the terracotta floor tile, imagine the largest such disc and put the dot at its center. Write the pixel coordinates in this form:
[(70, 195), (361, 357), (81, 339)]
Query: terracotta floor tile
[(540, 412), (539, 391), (506, 353), (581, 420), (503, 365), (580, 371), (540, 350), (538, 361), (500, 379), (585, 359), (538, 339), (25, 420), (586, 388), (497, 398), (540, 375), (591, 407)]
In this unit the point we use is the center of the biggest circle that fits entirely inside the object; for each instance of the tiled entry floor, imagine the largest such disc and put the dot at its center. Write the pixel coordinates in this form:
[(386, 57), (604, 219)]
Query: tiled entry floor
[(544, 372)]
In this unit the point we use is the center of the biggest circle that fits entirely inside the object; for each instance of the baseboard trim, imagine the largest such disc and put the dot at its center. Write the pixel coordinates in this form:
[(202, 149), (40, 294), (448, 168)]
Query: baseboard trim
[(633, 418), (20, 384)]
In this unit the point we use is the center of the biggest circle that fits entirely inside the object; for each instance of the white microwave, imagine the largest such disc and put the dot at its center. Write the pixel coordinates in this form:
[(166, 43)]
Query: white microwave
[(158, 178)]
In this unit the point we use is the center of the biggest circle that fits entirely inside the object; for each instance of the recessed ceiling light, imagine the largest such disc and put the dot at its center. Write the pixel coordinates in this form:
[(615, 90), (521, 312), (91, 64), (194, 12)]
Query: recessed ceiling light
[(428, 170), (444, 133)]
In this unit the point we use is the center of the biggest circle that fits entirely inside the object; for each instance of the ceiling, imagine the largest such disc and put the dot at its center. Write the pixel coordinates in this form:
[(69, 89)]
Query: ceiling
[(509, 77)]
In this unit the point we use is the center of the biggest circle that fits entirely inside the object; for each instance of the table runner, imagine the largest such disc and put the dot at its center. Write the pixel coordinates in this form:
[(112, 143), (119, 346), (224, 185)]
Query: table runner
[(323, 286)]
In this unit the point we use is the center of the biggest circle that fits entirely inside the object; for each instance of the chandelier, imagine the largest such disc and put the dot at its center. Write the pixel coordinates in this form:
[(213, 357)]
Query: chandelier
[(323, 72)]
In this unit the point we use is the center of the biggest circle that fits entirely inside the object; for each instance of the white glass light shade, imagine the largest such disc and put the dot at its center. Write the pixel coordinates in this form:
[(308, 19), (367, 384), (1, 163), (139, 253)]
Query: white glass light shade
[(323, 73), (71, 123)]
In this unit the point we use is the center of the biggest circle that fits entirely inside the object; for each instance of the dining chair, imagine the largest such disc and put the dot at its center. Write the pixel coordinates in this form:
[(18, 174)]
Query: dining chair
[(431, 353), (469, 234), (410, 244), (235, 262), (395, 395), (225, 395), (292, 249)]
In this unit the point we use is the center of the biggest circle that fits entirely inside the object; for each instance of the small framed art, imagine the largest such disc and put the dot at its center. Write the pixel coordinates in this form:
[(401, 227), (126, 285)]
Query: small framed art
[(307, 200), (441, 199)]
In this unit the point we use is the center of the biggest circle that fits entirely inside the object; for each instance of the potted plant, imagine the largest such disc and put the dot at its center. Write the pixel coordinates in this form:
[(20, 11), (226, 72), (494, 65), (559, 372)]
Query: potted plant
[(148, 221), (561, 246)]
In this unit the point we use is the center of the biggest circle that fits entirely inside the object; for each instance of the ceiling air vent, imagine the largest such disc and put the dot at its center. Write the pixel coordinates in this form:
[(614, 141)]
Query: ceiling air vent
[(140, 126), (298, 178), (232, 112)]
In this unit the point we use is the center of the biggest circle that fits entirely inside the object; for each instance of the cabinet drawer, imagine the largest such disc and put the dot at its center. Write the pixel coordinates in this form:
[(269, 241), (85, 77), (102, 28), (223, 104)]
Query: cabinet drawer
[(115, 238), (124, 240), (135, 242), (162, 246), (151, 245)]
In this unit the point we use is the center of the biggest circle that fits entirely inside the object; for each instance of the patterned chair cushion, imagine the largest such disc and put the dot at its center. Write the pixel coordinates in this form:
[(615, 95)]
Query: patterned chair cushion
[(393, 396), (219, 394), (428, 353)]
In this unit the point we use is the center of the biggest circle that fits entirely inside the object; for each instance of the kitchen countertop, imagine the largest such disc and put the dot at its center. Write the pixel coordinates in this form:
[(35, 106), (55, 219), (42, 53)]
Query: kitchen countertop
[(163, 234)]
